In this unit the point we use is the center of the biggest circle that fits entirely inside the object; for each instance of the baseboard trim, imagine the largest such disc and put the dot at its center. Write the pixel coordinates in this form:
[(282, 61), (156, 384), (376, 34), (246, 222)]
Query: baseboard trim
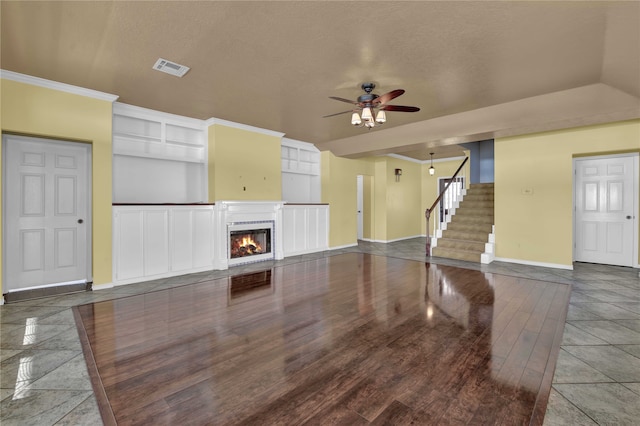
[(394, 240), (163, 275), (309, 251), (532, 263), (104, 286), (344, 246)]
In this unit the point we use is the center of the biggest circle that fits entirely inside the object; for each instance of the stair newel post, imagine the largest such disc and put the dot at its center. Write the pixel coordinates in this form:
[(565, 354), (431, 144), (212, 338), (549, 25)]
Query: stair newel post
[(427, 214)]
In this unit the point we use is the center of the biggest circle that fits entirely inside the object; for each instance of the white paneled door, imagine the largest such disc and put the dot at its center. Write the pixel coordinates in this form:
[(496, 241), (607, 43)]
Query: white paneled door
[(47, 215), (605, 222)]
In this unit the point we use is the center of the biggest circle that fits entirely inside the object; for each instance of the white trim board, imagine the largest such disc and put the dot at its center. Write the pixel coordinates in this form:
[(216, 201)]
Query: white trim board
[(392, 241), (221, 122), (151, 114), (344, 246), (533, 263), (105, 286), (63, 87)]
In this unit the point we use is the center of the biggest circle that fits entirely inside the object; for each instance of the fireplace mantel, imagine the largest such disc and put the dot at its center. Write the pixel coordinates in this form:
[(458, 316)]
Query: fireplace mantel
[(233, 212)]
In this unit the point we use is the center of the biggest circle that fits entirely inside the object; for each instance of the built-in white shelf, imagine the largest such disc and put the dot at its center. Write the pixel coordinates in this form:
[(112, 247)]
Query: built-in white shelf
[(146, 133), (300, 171), (158, 157), (297, 159)]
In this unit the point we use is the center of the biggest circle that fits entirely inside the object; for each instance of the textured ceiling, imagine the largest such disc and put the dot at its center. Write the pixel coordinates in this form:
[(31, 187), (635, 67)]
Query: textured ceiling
[(476, 69)]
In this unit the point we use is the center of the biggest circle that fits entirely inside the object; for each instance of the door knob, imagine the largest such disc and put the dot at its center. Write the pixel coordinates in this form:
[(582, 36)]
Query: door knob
[(628, 217), (80, 220)]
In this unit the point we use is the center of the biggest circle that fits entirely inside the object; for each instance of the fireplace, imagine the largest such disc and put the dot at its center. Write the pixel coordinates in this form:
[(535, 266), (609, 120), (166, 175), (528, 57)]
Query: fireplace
[(233, 218), (250, 242)]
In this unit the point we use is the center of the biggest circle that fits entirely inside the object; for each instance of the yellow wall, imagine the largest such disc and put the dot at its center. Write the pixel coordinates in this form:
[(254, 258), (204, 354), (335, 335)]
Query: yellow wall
[(444, 169), (391, 212), (339, 189), (243, 165), (403, 199), (38, 111), (539, 227)]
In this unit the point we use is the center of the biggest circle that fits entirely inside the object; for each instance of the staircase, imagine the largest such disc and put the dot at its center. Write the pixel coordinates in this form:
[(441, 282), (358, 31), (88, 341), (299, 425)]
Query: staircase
[(469, 234)]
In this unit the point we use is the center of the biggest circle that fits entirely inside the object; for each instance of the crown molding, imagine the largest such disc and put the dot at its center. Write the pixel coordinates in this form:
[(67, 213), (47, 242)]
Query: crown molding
[(62, 87), (413, 160), (132, 110), (402, 157), (221, 122), (299, 144)]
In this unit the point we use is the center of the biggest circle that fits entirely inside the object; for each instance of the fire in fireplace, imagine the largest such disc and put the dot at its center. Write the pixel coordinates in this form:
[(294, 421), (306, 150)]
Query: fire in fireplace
[(249, 242)]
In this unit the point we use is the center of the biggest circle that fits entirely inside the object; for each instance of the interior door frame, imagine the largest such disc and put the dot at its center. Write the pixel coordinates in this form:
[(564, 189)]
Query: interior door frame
[(359, 207), (89, 202), (636, 199)]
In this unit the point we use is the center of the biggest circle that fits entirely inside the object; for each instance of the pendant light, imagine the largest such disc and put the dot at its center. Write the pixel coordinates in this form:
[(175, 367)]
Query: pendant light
[(432, 171)]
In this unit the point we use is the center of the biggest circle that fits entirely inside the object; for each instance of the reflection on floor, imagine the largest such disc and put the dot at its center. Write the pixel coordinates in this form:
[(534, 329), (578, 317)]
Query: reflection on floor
[(44, 379)]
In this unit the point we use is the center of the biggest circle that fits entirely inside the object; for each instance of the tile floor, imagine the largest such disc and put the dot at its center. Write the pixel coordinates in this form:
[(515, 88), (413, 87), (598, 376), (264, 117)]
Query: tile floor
[(44, 380)]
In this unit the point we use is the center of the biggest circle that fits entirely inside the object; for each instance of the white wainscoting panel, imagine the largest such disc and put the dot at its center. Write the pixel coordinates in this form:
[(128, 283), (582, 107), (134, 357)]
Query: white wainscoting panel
[(127, 244), (305, 228), (152, 242), (156, 242)]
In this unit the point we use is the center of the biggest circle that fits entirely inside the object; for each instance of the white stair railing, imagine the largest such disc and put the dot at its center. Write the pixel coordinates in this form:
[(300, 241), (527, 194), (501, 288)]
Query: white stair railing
[(458, 197), (450, 201)]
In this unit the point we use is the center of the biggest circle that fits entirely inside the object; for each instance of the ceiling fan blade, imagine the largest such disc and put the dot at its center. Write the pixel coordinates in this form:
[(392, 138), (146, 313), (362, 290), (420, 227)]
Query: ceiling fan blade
[(400, 108), (337, 113), (343, 100), (388, 96)]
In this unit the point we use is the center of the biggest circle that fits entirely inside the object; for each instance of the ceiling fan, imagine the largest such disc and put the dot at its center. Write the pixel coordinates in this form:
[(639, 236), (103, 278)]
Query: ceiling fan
[(368, 103)]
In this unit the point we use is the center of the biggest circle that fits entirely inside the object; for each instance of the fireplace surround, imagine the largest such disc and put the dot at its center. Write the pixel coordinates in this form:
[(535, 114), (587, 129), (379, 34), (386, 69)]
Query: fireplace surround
[(259, 221)]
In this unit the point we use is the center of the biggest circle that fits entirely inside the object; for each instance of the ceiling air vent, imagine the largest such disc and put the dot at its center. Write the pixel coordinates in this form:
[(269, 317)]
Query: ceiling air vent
[(170, 67)]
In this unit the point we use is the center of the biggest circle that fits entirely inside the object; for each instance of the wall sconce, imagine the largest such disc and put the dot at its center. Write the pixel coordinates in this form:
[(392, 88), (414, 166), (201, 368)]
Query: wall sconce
[(432, 171), (398, 174)]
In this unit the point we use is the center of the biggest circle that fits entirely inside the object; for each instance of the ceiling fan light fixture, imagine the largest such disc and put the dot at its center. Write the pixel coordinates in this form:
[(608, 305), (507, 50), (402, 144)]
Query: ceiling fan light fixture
[(367, 116), (369, 110)]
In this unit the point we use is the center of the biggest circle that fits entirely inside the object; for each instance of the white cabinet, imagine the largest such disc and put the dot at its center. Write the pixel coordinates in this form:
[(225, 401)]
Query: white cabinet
[(160, 241), (305, 228)]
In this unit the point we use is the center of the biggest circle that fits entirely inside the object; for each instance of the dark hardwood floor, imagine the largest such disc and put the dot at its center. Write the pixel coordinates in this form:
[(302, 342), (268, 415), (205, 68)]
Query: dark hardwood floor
[(347, 339)]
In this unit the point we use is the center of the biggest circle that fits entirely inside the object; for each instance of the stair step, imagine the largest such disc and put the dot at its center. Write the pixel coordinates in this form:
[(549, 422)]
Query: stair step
[(482, 237), (477, 204), (466, 209), (472, 196), (480, 189), (468, 219), (470, 227), (482, 185), (467, 245), (470, 256)]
